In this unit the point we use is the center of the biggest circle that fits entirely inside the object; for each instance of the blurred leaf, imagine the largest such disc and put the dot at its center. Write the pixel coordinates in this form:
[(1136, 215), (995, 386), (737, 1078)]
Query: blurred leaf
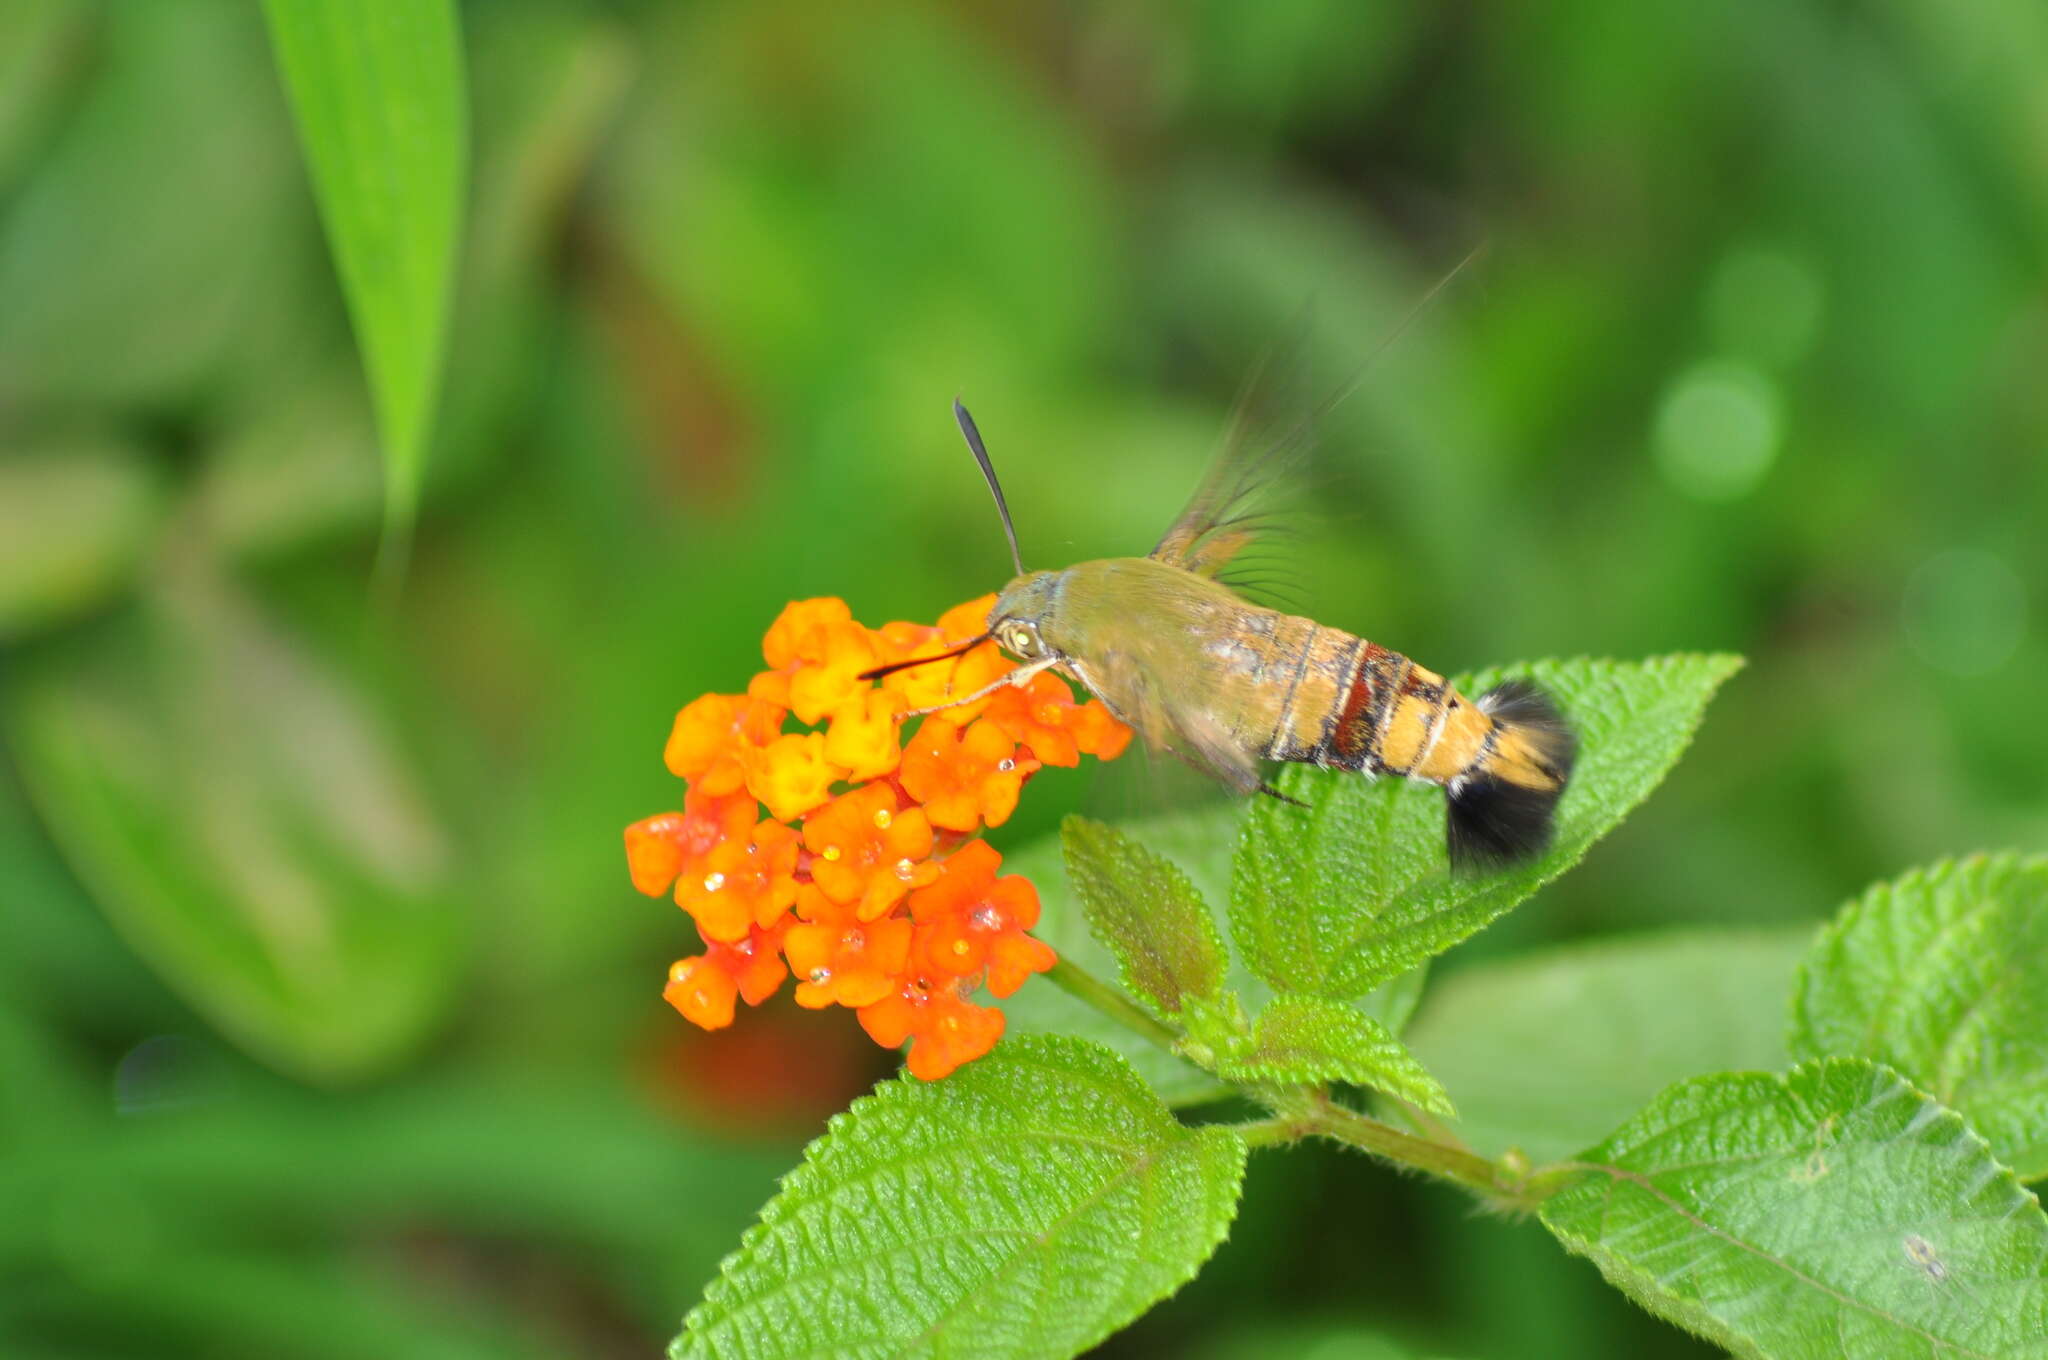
[(180, 112), (1943, 975), (1393, 1002), (1272, 65), (244, 822), (1833, 1213), (40, 44), (298, 466), (1308, 1341), (1352, 890), (1144, 908), (1029, 1205), (377, 90), (298, 461), (73, 521), (1547, 1051), (546, 83), (1311, 1038)]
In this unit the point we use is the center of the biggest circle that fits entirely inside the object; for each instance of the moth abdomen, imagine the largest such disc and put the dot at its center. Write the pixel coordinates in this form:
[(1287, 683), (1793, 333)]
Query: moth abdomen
[(1503, 760)]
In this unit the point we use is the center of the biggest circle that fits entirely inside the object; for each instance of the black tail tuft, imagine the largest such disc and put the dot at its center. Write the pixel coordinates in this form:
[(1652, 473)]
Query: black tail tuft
[(1493, 822)]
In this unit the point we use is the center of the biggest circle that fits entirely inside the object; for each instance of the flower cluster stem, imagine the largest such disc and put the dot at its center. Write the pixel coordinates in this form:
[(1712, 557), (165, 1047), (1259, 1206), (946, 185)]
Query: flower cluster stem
[(1092, 991)]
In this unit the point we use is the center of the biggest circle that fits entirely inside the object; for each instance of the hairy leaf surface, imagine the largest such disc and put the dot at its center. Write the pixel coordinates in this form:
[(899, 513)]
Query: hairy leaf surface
[(1314, 1039), (1029, 1205), (1145, 909), (1834, 1213), (1944, 976)]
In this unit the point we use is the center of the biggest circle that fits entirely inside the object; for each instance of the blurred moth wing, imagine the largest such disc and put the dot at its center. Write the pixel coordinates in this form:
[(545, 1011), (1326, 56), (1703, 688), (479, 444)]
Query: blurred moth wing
[(1176, 654)]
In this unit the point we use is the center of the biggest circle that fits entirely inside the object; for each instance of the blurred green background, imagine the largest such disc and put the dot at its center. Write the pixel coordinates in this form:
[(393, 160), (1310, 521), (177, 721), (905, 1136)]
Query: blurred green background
[(329, 1024)]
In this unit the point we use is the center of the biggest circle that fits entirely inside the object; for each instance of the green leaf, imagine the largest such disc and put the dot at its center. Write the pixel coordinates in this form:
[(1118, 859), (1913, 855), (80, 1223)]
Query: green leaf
[(1311, 1038), (1042, 1008), (1943, 975), (1028, 1205), (169, 105), (1832, 1212), (1199, 842), (1550, 1050), (377, 91), (246, 823), (1147, 911), (1352, 890), (74, 520)]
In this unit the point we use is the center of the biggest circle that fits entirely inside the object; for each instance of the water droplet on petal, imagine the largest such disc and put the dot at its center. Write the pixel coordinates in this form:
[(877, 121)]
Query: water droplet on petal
[(883, 817), (1006, 764), (986, 917), (905, 870), (713, 882), (853, 939), (821, 975), (831, 853)]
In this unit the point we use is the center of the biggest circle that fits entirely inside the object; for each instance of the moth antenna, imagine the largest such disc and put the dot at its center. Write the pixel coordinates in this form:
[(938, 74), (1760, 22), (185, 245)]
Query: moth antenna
[(988, 472)]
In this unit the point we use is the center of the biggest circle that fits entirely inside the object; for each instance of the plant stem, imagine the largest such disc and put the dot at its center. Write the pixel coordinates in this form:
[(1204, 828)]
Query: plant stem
[(1085, 987), (1303, 1112), (1269, 1132), (1333, 1121)]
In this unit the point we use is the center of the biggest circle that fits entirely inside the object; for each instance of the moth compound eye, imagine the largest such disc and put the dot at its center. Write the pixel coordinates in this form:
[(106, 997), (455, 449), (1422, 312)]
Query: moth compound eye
[(1021, 641)]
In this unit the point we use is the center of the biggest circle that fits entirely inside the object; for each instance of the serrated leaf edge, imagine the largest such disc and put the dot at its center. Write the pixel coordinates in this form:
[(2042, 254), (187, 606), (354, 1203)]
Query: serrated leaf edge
[(1834, 932), (1212, 937), (1706, 1323), (900, 1088)]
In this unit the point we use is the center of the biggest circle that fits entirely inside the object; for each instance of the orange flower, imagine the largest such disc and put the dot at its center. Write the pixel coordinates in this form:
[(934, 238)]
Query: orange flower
[(945, 1030), (837, 958), (659, 848), (793, 635), (832, 677), (703, 988), (863, 737), (1097, 732), (899, 641), (747, 882), (964, 621), (705, 746), (702, 991), (971, 920), (965, 778), (881, 925), (791, 774), (1039, 715), (944, 681), (866, 852), (771, 688)]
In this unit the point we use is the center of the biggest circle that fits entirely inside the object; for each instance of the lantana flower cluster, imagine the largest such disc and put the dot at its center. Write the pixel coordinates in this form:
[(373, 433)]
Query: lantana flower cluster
[(867, 878)]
